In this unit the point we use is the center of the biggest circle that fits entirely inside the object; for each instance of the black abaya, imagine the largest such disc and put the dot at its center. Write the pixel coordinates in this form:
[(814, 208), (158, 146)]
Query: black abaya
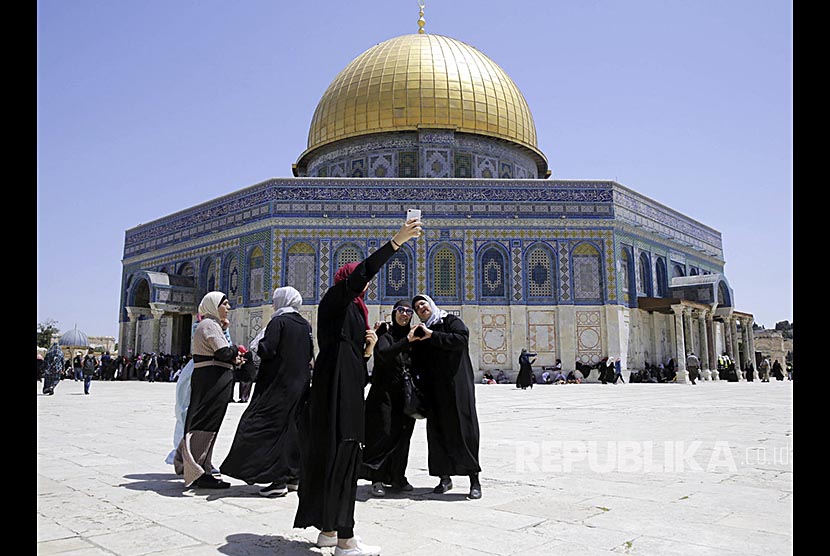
[(332, 452), (443, 361), (388, 429), (265, 448)]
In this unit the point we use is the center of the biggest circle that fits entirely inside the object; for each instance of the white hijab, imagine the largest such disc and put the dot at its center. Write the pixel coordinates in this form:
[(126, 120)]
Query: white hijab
[(210, 304), (437, 314), (286, 300)]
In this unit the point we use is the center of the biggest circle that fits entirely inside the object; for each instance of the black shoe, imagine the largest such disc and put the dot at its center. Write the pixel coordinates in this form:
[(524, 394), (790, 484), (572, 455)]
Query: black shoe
[(378, 490), (209, 481), (403, 486), (475, 492), (443, 486), (274, 489)]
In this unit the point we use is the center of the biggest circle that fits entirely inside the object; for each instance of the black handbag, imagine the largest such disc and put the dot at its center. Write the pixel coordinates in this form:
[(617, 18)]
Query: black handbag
[(413, 400)]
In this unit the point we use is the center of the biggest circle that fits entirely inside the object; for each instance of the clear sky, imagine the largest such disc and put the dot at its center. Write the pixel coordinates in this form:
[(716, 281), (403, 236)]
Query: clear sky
[(149, 107)]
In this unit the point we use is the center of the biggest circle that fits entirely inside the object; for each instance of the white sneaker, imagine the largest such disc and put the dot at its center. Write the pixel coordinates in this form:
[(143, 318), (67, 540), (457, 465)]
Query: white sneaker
[(324, 541), (359, 550), (274, 489)]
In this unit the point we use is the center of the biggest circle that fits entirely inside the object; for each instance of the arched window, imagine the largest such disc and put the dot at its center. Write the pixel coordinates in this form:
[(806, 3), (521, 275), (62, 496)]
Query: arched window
[(256, 275), (209, 275), (397, 283), (677, 271), (301, 270), (645, 275), (694, 271), (626, 276), (187, 269), (587, 281), (349, 253), (445, 266), (541, 272), (662, 279), (493, 273), (230, 278)]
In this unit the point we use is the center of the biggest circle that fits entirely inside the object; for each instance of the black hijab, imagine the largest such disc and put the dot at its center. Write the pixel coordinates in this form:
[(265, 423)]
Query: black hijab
[(397, 330)]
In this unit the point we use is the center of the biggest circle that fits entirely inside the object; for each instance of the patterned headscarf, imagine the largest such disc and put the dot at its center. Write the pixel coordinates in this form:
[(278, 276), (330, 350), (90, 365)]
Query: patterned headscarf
[(286, 300), (437, 314), (342, 273), (209, 307), (53, 362)]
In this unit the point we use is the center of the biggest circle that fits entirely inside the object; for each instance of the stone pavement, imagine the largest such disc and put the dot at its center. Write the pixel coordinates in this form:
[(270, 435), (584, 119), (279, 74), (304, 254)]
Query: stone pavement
[(591, 469)]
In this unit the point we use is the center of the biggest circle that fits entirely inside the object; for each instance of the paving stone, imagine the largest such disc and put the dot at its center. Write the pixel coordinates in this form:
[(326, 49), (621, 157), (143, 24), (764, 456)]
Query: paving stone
[(108, 491)]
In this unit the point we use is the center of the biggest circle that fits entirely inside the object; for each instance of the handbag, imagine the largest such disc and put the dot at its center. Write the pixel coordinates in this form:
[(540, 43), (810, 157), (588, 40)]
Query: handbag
[(413, 400)]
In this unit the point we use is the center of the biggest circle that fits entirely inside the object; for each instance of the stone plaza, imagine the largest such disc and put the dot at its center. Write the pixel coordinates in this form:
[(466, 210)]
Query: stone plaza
[(590, 469)]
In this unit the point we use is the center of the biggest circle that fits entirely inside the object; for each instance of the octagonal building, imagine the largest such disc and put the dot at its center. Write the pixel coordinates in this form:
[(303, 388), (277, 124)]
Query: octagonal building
[(575, 270)]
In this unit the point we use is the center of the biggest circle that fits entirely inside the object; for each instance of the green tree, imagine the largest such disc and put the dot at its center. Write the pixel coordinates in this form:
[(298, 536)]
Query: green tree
[(45, 331)]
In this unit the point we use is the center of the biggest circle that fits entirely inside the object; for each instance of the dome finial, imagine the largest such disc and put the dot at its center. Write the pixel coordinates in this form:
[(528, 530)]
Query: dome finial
[(421, 21)]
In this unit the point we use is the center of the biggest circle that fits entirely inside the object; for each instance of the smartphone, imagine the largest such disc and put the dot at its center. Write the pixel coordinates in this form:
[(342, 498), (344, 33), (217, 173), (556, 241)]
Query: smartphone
[(413, 213)]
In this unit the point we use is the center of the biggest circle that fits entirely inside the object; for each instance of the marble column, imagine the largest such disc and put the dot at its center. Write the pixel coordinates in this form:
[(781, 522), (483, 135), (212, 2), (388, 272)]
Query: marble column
[(751, 340), (733, 329), (131, 333), (727, 337), (655, 334), (689, 331), (705, 371), (679, 345), (710, 343), (157, 314)]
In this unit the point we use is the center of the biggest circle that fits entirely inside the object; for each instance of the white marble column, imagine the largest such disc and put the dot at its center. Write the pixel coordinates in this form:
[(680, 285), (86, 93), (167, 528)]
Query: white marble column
[(131, 332), (679, 345), (710, 344), (751, 341), (727, 337), (705, 371), (655, 335), (733, 329)]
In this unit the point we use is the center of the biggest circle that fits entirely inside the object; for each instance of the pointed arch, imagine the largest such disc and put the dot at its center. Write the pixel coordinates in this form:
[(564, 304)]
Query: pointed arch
[(256, 275), (586, 264), (301, 270), (397, 276), (492, 272), (445, 273), (644, 282), (629, 294), (230, 277), (662, 278), (540, 267), (677, 270)]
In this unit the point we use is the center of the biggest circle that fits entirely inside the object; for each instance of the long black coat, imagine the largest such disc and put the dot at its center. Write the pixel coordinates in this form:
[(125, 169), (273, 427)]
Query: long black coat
[(332, 453), (443, 362), (388, 429), (266, 448)]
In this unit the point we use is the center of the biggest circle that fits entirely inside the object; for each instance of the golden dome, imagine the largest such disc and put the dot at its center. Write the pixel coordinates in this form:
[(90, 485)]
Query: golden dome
[(422, 81)]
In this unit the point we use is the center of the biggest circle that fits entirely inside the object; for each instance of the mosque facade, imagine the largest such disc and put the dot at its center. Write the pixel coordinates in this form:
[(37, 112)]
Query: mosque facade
[(575, 270)]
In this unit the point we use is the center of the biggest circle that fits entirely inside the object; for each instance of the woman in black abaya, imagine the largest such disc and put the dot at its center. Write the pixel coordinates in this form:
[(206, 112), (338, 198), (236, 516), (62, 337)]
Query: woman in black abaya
[(442, 359), (265, 448), (331, 458), (388, 428)]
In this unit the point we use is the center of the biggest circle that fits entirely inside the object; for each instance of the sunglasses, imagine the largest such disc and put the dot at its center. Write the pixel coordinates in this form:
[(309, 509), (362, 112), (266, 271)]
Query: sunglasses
[(405, 310)]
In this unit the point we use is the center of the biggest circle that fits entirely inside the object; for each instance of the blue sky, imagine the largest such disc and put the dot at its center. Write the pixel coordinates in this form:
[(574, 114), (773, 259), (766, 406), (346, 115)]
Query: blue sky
[(149, 107)]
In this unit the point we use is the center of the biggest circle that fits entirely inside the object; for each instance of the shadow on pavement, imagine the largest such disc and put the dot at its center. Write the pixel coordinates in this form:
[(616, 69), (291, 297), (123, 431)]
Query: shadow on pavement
[(166, 484), (364, 493), (249, 544)]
